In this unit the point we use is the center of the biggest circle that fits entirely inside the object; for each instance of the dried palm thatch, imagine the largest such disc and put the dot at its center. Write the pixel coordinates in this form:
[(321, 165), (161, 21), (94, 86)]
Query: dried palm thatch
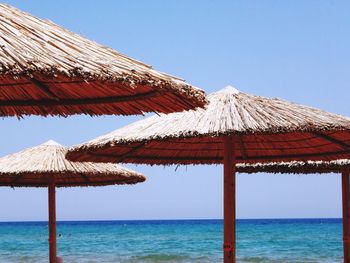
[(34, 166), (296, 167), (263, 129), (47, 70)]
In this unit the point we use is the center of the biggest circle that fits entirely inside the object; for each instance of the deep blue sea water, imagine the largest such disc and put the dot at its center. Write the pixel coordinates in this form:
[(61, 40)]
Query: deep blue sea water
[(263, 240)]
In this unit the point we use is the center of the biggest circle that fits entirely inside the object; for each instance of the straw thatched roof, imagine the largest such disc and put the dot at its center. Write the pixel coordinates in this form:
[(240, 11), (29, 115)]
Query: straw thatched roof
[(34, 166), (264, 130), (47, 70), (296, 167)]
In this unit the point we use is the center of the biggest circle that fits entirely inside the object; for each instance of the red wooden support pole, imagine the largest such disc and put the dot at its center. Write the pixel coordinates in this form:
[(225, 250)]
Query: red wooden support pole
[(346, 215), (229, 202), (52, 219)]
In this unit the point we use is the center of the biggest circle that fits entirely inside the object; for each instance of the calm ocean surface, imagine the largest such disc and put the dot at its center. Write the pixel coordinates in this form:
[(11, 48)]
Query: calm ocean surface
[(270, 240)]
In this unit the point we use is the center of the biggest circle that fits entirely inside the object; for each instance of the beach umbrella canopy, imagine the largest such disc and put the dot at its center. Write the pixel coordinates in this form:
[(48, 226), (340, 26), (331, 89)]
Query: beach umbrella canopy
[(48, 70), (35, 166), (263, 129), (45, 166), (235, 127)]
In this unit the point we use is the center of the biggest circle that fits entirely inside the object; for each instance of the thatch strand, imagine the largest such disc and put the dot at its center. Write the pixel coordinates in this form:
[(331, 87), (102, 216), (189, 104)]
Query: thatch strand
[(264, 130), (34, 166), (72, 67)]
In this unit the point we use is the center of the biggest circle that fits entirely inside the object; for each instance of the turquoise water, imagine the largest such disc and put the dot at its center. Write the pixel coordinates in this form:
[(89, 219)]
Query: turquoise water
[(277, 240)]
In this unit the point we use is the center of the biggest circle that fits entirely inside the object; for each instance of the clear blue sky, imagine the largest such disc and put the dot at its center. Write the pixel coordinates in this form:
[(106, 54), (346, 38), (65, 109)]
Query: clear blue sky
[(296, 50)]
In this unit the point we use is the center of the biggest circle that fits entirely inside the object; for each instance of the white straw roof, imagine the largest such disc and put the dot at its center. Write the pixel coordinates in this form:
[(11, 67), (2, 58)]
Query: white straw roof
[(264, 130), (296, 167), (34, 166), (47, 70)]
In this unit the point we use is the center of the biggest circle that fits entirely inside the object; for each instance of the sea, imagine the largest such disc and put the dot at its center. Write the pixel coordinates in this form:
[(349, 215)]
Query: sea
[(178, 241)]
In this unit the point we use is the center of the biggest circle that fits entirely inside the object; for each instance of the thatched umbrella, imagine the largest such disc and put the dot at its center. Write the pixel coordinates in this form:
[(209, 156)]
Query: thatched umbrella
[(45, 166), (235, 127), (307, 167), (48, 70)]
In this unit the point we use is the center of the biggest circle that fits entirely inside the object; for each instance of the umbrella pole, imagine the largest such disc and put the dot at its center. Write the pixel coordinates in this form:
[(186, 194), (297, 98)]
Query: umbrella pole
[(229, 202), (346, 215), (52, 219)]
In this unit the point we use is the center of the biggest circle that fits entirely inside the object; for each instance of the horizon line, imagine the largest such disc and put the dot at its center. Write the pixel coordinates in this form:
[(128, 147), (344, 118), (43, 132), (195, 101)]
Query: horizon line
[(184, 219)]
